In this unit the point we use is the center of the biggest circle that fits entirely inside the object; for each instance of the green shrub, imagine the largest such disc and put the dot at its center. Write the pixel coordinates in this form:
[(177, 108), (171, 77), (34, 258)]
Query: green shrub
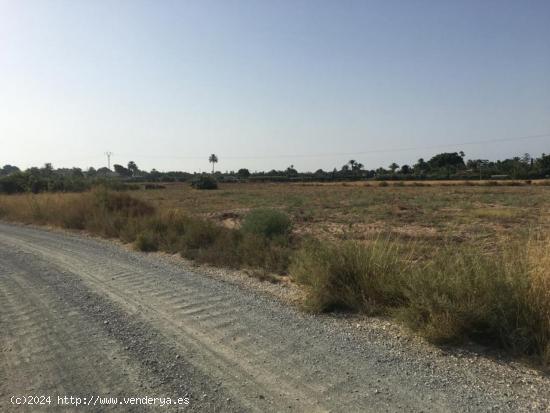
[(350, 275), (269, 223), (204, 182)]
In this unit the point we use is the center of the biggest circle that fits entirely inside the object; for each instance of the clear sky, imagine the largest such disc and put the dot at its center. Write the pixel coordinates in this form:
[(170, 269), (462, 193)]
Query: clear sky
[(265, 84)]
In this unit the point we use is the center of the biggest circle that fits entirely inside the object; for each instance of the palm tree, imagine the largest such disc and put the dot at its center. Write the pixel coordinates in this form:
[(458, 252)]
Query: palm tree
[(213, 159), (133, 167)]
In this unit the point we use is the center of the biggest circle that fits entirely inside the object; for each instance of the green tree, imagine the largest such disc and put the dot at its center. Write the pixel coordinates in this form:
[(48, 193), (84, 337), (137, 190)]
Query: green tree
[(291, 171), (9, 169), (133, 168), (121, 170), (447, 160), (421, 166), (213, 159), (243, 173), (355, 166)]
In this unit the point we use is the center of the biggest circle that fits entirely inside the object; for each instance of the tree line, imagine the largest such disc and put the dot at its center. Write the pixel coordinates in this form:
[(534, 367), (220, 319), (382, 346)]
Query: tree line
[(447, 165)]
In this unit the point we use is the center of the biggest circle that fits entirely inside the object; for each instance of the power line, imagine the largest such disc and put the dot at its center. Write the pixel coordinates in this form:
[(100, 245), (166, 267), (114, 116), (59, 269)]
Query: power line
[(320, 155)]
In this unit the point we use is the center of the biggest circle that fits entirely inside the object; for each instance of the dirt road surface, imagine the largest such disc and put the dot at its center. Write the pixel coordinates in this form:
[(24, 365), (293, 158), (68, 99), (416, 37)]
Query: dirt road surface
[(87, 318)]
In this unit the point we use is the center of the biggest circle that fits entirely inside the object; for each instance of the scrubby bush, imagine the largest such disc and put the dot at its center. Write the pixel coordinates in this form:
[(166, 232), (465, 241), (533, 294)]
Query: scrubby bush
[(204, 182), (270, 254), (269, 223), (198, 235), (500, 298), (146, 241), (121, 203), (464, 293), (350, 275), (538, 257), (223, 250)]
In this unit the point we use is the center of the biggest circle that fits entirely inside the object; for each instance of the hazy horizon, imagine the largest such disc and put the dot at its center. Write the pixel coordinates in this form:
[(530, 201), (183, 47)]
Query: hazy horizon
[(265, 85)]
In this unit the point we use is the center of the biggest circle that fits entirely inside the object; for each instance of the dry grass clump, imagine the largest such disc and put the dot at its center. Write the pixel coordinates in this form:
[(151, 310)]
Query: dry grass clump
[(539, 294), (350, 275), (500, 298), (465, 294)]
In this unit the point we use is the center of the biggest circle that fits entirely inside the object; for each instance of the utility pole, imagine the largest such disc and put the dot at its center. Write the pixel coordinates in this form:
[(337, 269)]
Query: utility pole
[(108, 159)]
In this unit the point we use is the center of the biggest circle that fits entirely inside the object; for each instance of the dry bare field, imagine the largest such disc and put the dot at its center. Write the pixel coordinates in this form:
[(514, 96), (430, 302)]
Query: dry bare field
[(363, 211)]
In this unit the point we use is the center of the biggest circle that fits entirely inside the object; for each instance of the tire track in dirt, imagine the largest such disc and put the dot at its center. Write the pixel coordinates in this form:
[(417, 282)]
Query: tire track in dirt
[(58, 353), (60, 338), (268, 357)]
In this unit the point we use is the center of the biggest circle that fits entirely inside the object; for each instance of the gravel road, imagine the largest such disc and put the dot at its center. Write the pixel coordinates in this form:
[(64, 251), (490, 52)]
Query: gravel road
[(86, 317)]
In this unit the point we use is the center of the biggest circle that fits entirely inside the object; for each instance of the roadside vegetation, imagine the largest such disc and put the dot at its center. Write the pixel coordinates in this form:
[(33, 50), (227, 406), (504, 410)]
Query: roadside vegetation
[(500, 298), (450, 291)]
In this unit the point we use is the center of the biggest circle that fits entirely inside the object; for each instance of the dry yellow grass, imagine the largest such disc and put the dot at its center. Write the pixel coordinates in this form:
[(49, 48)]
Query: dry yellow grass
[(539, 297), (353, 211)]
